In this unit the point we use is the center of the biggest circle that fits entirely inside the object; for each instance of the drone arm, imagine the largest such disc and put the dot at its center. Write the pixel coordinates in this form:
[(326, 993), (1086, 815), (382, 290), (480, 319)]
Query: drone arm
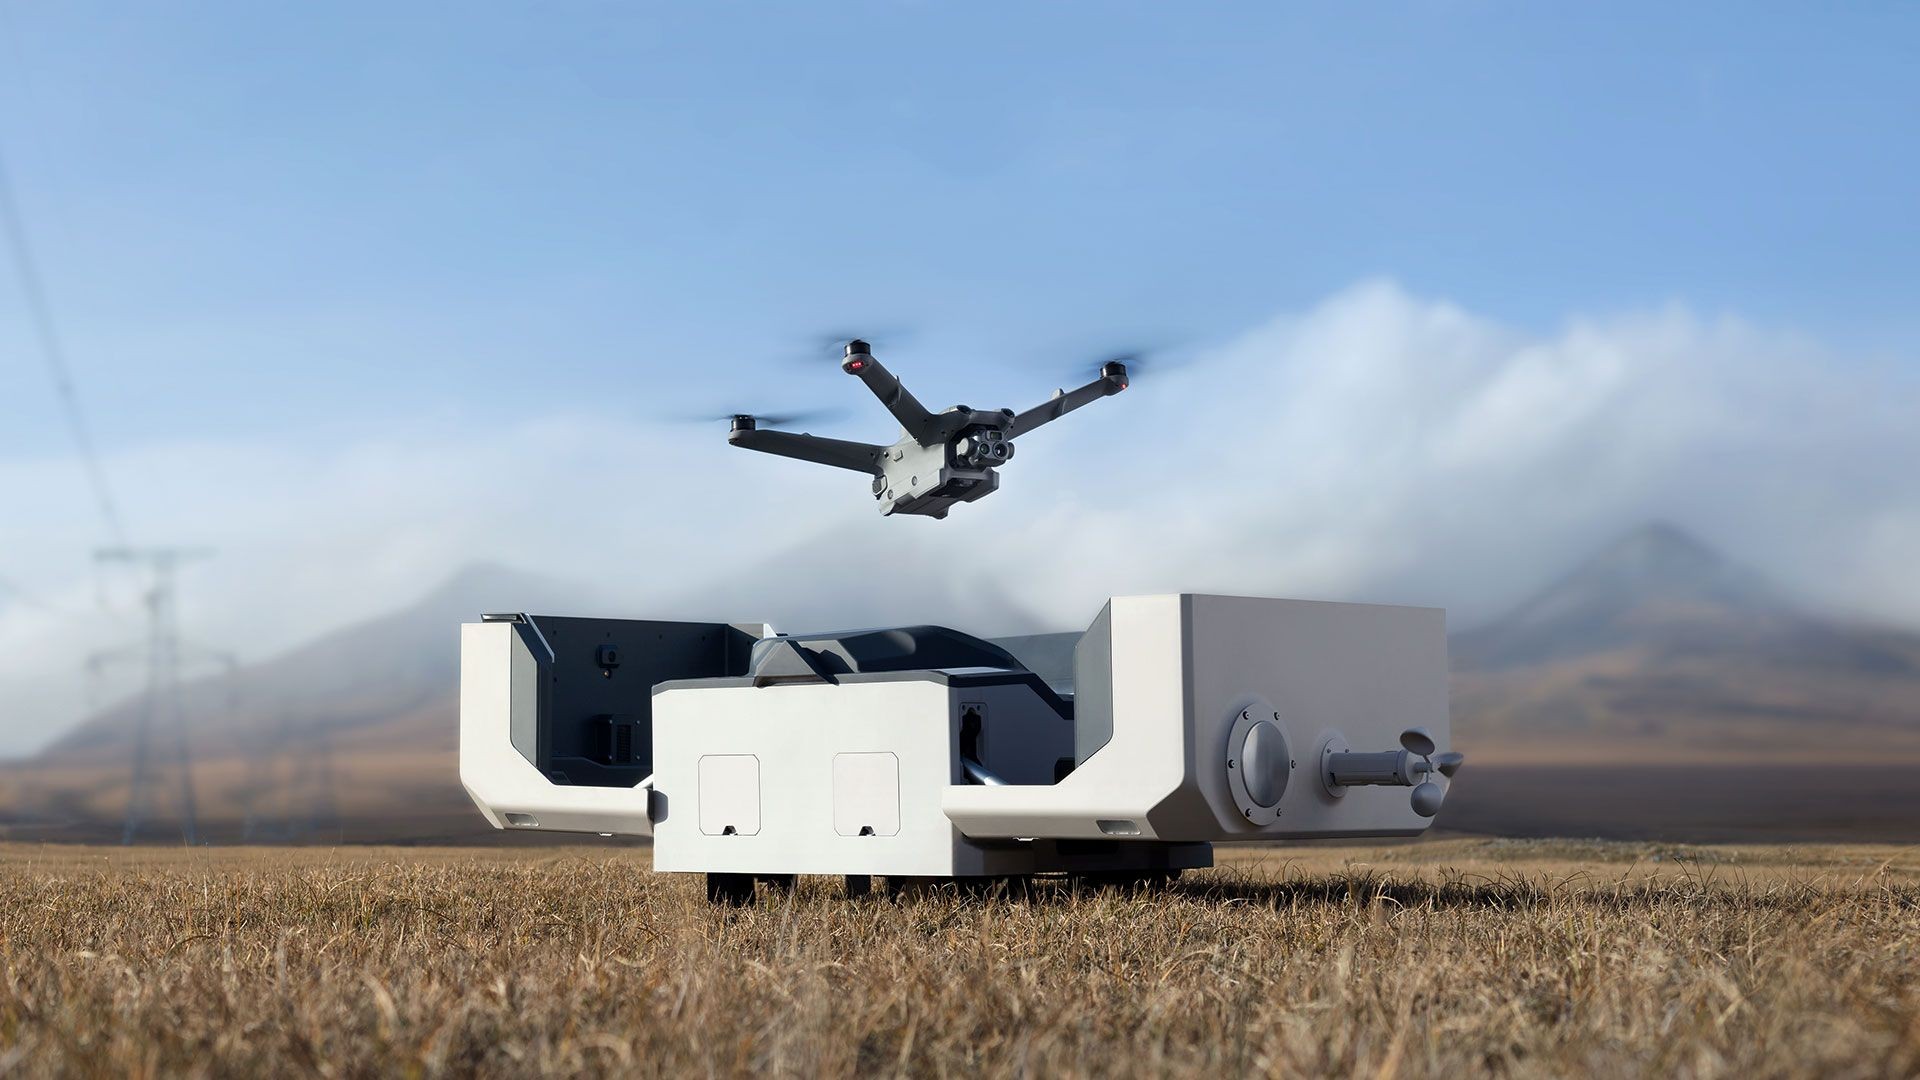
[(905, 408), (1112, 380), (839, 453)]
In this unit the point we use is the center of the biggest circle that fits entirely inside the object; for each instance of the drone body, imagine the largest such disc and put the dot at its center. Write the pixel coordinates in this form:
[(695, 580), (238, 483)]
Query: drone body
[(941, 458)]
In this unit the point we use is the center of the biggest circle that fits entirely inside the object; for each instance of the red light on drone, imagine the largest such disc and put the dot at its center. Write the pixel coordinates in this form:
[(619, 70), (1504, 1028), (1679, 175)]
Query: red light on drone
[(856, 365)]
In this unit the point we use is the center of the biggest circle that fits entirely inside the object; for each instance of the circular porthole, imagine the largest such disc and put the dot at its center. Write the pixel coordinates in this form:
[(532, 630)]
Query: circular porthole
[(1259, 762)]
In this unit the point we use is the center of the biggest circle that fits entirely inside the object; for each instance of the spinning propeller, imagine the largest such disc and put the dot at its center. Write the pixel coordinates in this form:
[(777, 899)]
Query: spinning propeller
[(808, 416)]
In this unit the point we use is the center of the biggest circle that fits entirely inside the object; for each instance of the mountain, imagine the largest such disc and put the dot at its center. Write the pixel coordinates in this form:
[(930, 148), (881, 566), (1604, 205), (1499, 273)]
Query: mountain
[(375, 704), (1659, 649), (843, 578), (352, 734), (362, 675), (1656, 651), (1655, 584)]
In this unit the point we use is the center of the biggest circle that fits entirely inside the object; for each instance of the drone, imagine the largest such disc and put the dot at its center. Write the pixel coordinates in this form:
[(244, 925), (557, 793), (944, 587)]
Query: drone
[(941, 459)]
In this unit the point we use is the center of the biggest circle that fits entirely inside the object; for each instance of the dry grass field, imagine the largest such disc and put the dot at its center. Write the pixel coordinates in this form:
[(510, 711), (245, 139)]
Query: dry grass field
[(1530, 958)]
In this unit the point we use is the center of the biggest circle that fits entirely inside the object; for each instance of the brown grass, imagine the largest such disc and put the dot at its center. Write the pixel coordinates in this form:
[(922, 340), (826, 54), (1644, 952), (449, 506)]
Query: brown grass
[(1439, 958)]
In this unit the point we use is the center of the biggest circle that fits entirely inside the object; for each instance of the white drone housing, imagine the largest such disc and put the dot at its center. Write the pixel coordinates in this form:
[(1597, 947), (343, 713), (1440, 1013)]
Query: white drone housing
[(921, 752)]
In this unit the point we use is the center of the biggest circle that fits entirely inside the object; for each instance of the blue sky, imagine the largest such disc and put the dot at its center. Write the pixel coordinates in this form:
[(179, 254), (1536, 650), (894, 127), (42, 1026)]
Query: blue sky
[(336, 218), (361, 293)]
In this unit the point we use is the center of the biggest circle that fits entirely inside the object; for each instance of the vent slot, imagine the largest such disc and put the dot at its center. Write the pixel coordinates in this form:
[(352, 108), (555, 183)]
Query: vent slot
[(617, 737)]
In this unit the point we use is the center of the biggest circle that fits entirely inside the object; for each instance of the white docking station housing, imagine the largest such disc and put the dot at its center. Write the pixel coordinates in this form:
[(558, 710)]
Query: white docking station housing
[(1173, 722)]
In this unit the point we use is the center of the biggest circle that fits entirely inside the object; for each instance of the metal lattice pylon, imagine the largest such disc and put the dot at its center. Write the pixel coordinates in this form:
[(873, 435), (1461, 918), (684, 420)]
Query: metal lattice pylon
[(160, 726)]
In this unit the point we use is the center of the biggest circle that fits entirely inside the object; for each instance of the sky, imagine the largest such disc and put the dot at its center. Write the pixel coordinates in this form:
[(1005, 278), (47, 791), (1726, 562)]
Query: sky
[(1447, 294)]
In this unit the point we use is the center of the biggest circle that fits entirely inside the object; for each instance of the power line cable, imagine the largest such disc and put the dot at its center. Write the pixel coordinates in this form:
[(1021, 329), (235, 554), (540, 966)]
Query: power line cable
[(53, 351), (164, 648)]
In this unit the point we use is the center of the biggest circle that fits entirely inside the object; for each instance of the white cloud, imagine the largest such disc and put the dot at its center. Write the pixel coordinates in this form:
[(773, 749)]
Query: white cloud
[(1378, 446)]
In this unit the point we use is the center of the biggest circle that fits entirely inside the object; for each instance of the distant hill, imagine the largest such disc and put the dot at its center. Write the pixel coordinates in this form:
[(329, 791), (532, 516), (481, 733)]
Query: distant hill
[(365, 675), (840, 579), (1654, 586), (1659, 649), (352, 734)]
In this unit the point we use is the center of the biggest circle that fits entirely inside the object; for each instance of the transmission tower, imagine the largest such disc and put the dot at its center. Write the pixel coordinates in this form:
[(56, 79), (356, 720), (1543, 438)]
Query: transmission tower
[(161, 717), (313, 779), (288, 797)]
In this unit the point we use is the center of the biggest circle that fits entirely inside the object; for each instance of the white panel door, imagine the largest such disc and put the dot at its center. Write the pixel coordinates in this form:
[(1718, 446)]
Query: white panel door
[(730, 795), (866, 794)]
